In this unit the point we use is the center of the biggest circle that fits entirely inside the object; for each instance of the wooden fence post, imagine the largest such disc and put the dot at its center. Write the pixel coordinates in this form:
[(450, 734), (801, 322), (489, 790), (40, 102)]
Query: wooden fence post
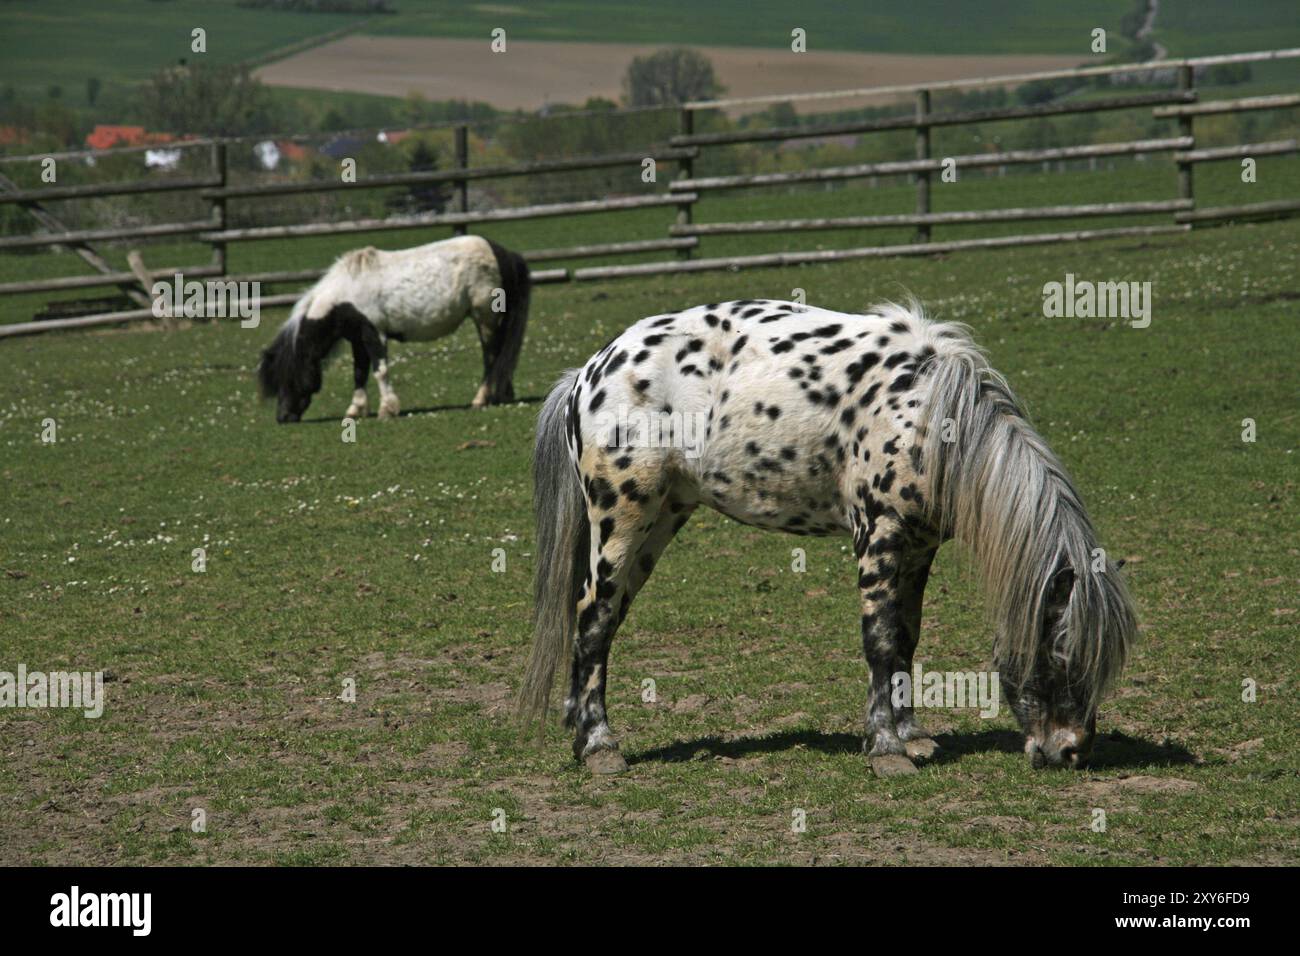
[(685, 170), (1186, 81), (922, 152), (218, 206), (462, 185)]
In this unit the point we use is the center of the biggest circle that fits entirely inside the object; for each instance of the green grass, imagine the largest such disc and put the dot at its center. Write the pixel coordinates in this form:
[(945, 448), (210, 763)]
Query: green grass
[(1002, 26), (126, 41), (1205, 29), (373, 561)]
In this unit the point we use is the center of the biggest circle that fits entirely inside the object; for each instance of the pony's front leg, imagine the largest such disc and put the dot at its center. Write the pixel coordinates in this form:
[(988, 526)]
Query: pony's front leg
[(879, 545), (360, 375), (920, 745), (369, 350)]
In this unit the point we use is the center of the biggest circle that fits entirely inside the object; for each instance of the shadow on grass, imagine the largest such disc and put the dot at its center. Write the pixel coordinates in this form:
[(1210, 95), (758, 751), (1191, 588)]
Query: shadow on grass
[(685, 750), (1112, 751), (1117, 750), (425, 410), (528, 400)]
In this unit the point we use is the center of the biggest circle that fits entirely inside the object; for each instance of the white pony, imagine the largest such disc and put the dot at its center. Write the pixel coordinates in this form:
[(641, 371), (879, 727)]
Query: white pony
[(370, 296)]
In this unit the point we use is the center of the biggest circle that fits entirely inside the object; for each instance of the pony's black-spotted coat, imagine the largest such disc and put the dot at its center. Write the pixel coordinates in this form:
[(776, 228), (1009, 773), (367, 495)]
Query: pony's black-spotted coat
[(792, 419)]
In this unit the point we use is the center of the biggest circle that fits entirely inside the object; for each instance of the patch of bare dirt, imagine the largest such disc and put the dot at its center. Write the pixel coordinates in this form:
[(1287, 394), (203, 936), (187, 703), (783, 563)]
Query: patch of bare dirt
[(532, 74), (1135, 785)]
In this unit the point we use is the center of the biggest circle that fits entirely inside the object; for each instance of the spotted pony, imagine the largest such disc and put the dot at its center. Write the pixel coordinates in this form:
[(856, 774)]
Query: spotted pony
[(886, 427)]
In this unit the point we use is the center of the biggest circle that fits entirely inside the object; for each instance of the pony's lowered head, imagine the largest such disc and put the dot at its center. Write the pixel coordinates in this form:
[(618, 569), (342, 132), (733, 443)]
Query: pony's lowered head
[(1064, 619), (290, 367)]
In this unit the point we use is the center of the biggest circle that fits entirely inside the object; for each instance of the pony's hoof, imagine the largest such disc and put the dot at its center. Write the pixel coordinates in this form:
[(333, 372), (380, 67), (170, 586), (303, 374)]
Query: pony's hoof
[(922, 748), (389, 410), (891, 765), (605, 762)]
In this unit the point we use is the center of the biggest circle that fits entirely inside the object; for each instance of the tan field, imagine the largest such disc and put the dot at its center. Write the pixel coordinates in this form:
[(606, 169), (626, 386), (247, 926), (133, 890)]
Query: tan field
[(531, 74)]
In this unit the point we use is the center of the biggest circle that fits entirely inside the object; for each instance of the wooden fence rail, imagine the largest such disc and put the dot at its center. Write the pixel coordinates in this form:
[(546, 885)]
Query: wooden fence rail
[(926, 119), (584, 207), (685, 190), (105, 189), (456, 176), (1083, 211), (1242, 105), (1275, 148), (97, 235), (894, 168)]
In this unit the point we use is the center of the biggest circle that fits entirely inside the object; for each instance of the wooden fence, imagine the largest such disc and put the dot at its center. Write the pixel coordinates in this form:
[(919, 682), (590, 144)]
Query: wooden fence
[(1180, 105)]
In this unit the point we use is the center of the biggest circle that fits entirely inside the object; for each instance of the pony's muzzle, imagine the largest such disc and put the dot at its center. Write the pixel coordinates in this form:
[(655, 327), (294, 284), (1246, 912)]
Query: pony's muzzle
[(1063, 748)]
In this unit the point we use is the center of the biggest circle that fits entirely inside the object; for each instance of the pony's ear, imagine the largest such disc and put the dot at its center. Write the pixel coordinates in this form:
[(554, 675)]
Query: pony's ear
[(1120, 563)]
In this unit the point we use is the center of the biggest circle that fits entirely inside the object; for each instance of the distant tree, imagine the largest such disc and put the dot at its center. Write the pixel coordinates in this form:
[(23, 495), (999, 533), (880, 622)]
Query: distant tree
[(92, 89), (415, 109), (54, 118), (422, 197), (778, 114), (334, 121), (216, 100), (669, 77)]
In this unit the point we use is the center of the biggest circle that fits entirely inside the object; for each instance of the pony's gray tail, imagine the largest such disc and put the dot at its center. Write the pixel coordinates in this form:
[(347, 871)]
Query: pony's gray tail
[(563, 543), (995, 486)]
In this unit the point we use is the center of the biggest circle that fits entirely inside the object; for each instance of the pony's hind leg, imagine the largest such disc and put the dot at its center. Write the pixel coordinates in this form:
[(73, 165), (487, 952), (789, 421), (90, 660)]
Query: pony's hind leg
[(497, 386), (880, 545), (631, 524)]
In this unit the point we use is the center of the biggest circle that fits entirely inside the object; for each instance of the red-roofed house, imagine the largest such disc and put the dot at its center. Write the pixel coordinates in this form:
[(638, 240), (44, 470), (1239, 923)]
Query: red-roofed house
[(106, 137), (13, 136), (290, 150)]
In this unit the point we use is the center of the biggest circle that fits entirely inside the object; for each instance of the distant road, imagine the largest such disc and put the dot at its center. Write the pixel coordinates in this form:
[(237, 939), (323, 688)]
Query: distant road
[(1153, 8)]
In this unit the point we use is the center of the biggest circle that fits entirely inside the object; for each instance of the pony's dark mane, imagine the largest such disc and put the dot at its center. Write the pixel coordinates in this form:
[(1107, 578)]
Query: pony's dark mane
[(300, 343), (277, 364)]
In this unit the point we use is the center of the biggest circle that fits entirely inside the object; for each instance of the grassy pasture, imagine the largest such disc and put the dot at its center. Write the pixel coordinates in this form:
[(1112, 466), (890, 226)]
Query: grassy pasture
[(128, 40), (124, 42), (373, 562)]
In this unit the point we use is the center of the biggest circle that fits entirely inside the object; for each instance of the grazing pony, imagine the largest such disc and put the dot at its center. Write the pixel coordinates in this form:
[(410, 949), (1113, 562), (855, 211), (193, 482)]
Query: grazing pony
[(370, 296), (887, 427)]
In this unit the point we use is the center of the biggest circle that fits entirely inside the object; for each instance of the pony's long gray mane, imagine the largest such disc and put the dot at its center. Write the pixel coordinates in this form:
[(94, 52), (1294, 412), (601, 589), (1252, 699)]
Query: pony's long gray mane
[(999, 490)]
